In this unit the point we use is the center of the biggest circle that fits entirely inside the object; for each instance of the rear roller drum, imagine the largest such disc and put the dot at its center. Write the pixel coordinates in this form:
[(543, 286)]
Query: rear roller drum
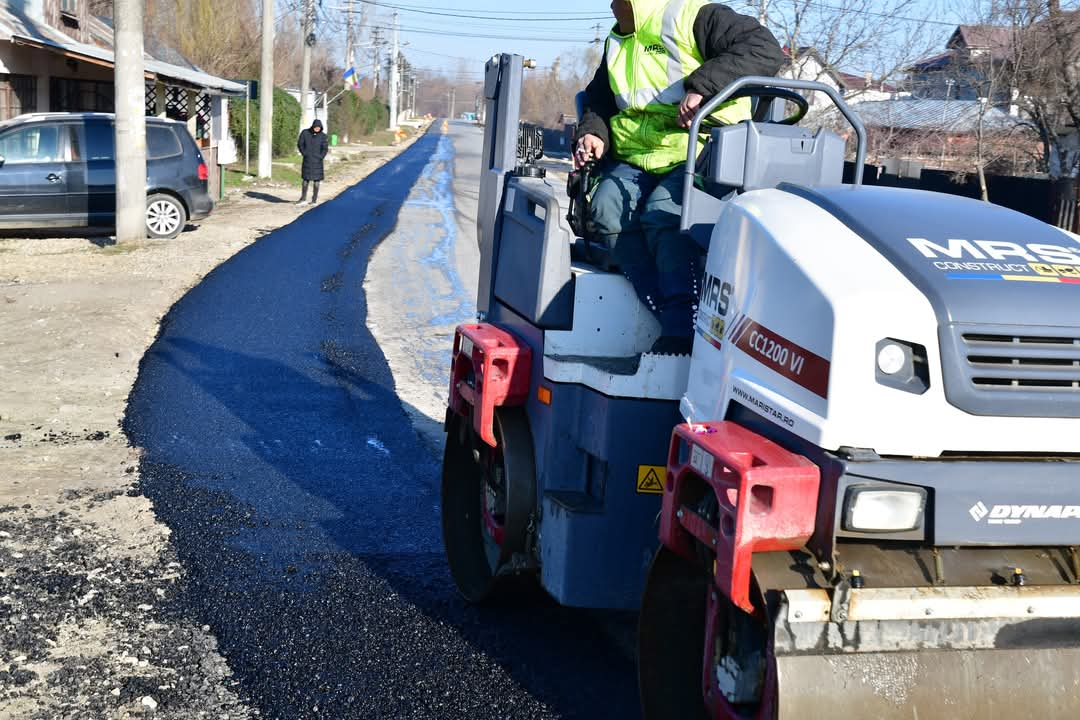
[(488, 495), (699, 656)]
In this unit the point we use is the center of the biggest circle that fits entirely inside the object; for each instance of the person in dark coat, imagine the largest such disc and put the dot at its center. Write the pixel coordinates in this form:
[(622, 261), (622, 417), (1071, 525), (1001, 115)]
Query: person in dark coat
[(313, 147)]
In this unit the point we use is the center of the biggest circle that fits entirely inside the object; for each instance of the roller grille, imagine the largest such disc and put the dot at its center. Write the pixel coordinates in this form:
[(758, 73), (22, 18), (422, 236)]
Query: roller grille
[(1013, 371)]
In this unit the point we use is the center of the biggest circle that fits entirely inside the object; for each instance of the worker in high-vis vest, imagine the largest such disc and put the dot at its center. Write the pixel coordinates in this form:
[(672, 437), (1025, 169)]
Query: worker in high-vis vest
[(662, 60)]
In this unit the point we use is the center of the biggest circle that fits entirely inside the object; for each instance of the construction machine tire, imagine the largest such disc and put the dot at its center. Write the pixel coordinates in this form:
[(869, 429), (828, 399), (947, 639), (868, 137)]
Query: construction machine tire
[(671, 634), (488, 496), (687, 625)]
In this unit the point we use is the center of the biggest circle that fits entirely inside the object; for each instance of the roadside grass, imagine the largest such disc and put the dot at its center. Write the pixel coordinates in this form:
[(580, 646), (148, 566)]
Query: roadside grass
[(284, 170)]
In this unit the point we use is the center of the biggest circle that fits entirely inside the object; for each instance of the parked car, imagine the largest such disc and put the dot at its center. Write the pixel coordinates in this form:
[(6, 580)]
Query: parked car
[(59, 170)]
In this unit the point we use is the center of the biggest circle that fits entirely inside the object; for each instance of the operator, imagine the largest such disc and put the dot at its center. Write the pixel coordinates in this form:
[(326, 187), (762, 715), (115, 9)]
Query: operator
[(662, 60)]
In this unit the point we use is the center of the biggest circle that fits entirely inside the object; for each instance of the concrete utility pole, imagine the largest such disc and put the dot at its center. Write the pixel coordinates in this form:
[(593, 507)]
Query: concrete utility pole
[(394, 79), (130, 96), (266, 89), (348, 34), (308, 30), (376, 35)]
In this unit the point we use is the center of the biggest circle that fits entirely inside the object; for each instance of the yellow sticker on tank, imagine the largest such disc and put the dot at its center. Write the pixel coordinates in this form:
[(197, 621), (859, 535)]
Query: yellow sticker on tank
[(649, 480)]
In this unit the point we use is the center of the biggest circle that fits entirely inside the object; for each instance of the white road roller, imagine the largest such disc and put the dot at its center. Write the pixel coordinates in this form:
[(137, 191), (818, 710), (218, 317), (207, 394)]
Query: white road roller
[(868, 501)]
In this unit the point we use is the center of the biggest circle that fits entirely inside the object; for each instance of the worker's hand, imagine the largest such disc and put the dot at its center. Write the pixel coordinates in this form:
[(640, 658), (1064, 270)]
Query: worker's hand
[(589, 147), (688, 107)]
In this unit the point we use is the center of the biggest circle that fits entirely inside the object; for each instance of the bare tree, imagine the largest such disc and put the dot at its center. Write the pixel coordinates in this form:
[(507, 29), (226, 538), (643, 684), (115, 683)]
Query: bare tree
[(1036, 73), (882, 38), (217, 35)]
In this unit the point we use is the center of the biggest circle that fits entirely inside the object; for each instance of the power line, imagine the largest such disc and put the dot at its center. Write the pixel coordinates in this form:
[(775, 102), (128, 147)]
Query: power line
[(838, 8), (445, 33), (475, 14)]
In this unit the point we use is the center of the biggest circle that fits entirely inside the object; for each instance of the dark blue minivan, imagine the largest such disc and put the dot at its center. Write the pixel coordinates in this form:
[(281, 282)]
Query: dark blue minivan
[(58, 170)]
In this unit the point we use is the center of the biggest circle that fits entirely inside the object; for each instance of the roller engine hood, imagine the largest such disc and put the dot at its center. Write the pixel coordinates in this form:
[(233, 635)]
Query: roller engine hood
[(976, 263)]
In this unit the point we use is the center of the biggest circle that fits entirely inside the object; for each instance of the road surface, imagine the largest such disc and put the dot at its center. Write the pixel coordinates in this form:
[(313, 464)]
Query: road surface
[(295, 469)]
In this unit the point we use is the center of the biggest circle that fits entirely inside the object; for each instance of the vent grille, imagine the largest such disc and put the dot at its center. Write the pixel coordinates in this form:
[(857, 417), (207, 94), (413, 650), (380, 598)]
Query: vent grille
[(1023, 362)]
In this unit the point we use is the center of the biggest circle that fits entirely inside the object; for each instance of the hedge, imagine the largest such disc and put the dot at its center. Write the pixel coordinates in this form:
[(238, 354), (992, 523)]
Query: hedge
[(353, 118), (286, 124)]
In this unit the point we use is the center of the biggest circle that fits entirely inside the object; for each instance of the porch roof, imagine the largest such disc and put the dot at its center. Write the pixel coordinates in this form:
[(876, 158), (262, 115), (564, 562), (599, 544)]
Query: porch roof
[(22, 31)]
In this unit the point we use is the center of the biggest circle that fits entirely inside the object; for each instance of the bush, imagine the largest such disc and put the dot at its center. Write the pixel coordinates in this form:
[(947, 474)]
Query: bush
[(353, 118), (286, 124)]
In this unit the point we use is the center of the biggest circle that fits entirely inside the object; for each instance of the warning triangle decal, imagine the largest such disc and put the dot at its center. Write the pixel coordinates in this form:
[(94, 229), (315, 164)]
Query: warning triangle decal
[(649, 480)]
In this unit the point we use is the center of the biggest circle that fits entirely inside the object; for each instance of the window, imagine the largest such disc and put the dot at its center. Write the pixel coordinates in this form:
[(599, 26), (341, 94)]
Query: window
[(100, 141), (18, 95), (74, 146), (69, 7), (69, 95), (161, 142), (37, 143)]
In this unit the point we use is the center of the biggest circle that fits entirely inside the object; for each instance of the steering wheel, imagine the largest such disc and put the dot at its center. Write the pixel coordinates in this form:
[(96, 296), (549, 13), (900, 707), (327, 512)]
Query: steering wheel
[(769, 94)]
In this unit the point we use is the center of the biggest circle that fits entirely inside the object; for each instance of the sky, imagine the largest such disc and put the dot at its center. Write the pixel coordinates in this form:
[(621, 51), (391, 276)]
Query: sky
[(456, 37)]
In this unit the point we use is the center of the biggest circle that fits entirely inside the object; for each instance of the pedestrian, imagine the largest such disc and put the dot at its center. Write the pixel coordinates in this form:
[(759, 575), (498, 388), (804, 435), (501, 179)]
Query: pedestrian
[(313, 147), (662, 60)]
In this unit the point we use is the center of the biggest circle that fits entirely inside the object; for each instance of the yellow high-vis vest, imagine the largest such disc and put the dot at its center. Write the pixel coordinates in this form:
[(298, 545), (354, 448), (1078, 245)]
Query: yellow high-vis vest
[(646, 71)]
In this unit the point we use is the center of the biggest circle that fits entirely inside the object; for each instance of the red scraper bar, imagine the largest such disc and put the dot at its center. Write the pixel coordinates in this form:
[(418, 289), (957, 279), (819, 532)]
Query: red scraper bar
[(767, 500), (489, 368)]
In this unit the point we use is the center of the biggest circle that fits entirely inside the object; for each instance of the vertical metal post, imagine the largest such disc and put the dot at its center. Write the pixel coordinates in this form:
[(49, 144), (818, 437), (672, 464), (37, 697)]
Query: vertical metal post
[(266, 90), (394, 78), (130, 97), (247, 129)]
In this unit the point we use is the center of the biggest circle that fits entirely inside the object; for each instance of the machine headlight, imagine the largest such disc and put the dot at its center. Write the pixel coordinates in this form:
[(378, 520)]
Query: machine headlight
[(902, 365), (872, 508), (891, 358)]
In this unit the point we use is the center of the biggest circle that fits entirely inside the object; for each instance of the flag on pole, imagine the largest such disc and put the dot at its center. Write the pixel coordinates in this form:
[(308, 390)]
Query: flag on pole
[(352, 78)]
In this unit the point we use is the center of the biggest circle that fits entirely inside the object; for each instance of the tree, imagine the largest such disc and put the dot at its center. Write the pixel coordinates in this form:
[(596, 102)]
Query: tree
[(882, 38), (219, 36)]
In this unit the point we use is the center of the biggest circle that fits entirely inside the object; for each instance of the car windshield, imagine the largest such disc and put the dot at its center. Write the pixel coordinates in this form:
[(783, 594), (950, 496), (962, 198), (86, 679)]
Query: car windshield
[(38, 143)]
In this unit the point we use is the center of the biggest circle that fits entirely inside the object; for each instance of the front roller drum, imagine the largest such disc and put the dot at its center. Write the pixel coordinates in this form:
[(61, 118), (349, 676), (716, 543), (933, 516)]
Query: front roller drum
[(488, 496), (700, 656)]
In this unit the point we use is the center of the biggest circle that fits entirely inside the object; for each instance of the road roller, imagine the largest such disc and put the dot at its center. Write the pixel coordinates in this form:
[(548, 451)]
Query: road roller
[(858, 496)]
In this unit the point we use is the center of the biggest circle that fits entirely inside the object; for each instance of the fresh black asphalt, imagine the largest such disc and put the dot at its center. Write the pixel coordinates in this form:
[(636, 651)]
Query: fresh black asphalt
[(305, 512)]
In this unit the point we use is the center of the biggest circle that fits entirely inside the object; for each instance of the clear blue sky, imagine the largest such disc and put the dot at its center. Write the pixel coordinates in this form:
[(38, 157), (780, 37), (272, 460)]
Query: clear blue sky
[(455, 37)]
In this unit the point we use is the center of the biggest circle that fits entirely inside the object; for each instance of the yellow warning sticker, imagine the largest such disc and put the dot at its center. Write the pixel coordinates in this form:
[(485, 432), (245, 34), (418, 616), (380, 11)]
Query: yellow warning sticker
[(648, 479)]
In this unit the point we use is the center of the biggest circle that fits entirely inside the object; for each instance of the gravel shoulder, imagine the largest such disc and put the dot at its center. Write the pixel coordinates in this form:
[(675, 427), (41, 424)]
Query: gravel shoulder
[(87, 629)]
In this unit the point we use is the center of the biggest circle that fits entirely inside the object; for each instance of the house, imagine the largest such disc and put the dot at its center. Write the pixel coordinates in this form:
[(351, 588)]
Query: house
[(972, 67), (807, 64), (56, 57), (864, 88)]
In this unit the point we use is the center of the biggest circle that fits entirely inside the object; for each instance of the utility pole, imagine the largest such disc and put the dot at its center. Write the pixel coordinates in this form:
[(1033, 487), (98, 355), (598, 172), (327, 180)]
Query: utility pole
[(308, 30), (394, 79), (348, 34), (130, 122), (376, 40), (266, 89)]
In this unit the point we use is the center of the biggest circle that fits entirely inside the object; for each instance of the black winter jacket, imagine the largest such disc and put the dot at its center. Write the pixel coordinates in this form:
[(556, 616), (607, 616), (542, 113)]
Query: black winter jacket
[(313, 146), (732, 46)]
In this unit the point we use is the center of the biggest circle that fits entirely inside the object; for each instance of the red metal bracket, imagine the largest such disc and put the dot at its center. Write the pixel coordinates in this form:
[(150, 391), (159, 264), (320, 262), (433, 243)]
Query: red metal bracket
[(767, 500), (490, 367)]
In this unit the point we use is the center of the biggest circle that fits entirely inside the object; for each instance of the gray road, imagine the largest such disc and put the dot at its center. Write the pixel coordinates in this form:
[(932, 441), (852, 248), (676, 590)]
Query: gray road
[(280, 449)]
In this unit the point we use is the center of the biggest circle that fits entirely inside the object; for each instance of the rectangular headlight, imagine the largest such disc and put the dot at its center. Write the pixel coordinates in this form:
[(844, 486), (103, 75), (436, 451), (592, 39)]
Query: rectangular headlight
[(870, 508)]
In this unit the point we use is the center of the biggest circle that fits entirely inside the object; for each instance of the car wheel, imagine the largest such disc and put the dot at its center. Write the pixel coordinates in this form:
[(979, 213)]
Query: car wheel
[(165, 216)]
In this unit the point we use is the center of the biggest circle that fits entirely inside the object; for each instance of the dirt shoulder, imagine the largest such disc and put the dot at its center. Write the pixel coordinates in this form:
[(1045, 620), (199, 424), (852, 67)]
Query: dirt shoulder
[(86, 572)]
